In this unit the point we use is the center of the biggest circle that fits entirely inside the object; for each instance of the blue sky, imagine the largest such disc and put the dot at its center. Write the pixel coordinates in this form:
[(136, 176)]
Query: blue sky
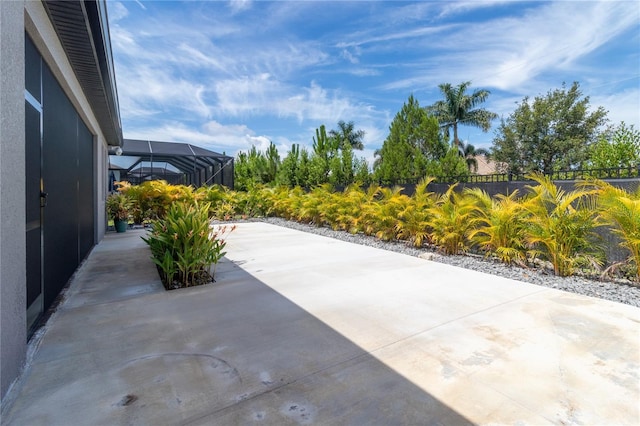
[(226, 75)]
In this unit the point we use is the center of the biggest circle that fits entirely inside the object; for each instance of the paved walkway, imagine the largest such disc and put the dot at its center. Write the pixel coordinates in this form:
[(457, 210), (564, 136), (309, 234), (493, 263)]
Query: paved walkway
[(302, 329)]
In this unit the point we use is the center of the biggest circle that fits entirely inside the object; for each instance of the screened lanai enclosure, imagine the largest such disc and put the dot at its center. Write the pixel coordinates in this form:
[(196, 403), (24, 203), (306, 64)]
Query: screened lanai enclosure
[(177, 163)]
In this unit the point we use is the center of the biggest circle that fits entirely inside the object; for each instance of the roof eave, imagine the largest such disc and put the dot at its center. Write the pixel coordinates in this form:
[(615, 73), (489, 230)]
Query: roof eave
[(83, 30)]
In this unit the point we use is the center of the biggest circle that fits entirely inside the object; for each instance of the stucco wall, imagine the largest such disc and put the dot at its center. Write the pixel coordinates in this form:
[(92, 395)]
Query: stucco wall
[(16, 17), (13, 329)]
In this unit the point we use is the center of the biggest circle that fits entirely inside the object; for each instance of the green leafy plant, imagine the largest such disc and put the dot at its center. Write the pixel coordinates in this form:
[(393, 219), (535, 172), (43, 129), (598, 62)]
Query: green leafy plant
[(451, 221), (214, 195), (364, 221), (621, 210), (560, 228), (118, 206), (549, 224), (331, 208), (386, 211), (184, 246), (352, 200), (498, 226), (152, 199), (311, 205), (413, 224)]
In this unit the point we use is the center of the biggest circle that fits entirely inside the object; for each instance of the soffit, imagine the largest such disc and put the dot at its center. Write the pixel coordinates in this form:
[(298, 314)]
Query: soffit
[(84, 33)]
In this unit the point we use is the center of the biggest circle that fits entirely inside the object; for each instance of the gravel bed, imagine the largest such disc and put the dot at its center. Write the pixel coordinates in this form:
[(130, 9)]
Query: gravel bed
[(622, 292)]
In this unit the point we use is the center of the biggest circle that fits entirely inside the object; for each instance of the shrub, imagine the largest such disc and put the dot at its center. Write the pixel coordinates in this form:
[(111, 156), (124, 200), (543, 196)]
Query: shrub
[(621, 210), (413, 224), (386, 210), (561, 226), (118, 206), (152, 199), (451, 221), (498, 226), (313, 205), (351, 201), (184, 246), (550, 224)]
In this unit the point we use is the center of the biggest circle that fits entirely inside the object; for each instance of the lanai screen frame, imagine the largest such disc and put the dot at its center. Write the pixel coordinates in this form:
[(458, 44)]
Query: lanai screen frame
[(198, 166)]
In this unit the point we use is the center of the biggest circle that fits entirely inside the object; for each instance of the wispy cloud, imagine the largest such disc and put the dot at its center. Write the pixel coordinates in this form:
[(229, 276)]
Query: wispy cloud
[(239, 5), (346, 54), (232, 74), (117, 12), (366, 38), (212, 135), (508, 52), (453, 8), (161, 91), (263, 95), (622, 106)]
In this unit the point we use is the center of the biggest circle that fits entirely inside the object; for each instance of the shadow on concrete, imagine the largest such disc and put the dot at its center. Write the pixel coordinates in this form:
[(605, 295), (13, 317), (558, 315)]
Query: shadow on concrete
[(295, 367), (232, 352)]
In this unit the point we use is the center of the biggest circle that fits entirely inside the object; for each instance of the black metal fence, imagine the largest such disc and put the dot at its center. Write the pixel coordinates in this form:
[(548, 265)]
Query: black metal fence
[(581, 174)]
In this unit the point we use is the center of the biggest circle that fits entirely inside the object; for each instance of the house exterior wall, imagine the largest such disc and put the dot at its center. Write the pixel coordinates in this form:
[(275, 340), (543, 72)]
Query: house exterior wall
[(41, 31), (13, 329), (16, 19)]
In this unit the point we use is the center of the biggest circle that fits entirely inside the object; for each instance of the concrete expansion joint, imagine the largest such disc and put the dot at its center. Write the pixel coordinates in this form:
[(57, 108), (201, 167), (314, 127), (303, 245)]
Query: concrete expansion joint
[(247, 398)]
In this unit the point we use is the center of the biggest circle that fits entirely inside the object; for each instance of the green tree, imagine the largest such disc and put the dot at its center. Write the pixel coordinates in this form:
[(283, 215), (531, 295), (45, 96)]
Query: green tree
[(272, 163), (361, 171), (324, 150), (345, 168), (288, 172), (413, 140), (249, 168), (255, 167), (342, 170), (347, 135), (451, 167), (459, 107), (327, 163), (616, 147), (242, 172), (554, 132)]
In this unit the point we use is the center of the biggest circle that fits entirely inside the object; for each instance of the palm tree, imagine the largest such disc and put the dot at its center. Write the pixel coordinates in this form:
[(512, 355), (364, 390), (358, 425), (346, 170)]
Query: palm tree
[(469, 153), (346, 134), (377, 161), (458, 108)]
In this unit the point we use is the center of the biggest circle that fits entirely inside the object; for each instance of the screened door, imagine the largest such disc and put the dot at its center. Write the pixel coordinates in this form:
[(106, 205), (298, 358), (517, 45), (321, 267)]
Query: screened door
[(34, 204), (60, 186)]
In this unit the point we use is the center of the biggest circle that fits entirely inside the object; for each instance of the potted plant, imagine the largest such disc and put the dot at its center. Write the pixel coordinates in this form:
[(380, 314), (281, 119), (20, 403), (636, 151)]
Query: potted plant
[(118, 206)]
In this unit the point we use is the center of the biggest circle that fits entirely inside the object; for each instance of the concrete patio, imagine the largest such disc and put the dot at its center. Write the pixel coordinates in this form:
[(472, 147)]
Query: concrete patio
[(303, 329)]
